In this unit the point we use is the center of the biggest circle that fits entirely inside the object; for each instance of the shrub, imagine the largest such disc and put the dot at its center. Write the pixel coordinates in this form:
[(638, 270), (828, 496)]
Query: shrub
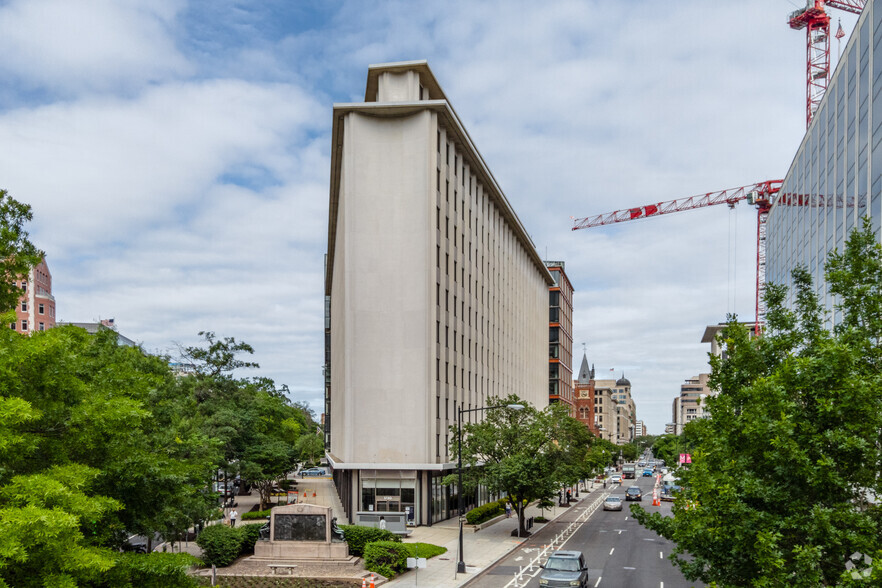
[(250, 534), (357, 537), (151, 570), (485, 512), (387, 558), (255, 514), (426, 550), (220, 544)]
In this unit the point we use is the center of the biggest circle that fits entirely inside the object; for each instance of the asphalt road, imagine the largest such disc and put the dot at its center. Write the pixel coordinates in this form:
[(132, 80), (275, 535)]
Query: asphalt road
[(620, 553)]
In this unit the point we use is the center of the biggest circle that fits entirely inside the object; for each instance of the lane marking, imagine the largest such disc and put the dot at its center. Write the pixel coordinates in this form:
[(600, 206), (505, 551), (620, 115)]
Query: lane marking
[(661, 585), (611, 550), (660, 555), (518, 558), (620, 531), (598, 581)]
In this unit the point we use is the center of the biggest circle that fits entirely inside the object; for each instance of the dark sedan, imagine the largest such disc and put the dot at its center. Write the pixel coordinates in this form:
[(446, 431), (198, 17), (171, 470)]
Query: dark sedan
[(634, 493)]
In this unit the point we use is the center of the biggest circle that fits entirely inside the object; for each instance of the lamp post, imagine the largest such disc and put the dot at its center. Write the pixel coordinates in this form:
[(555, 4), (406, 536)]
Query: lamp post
[(460, 565)]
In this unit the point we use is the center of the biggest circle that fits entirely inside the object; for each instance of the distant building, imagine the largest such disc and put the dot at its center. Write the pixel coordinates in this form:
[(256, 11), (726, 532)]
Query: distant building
[(584, 396), (639, 429), (435, 297), (689, 405), (36, 307), (614, 410), (560, 337), (100, 325)]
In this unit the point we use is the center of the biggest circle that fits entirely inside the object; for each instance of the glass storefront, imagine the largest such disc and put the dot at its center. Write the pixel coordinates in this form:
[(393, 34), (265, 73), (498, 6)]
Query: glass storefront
[(390, 491)]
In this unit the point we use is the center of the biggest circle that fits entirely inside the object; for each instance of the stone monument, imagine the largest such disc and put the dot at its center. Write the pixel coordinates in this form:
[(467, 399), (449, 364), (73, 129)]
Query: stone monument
[(303, 533)]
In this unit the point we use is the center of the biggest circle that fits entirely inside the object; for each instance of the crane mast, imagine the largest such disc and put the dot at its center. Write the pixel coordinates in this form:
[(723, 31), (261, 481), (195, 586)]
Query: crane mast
[(816, 22), (758, 194)]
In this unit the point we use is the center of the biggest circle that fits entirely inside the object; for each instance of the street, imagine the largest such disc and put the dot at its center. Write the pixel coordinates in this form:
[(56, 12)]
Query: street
[(618, 550)]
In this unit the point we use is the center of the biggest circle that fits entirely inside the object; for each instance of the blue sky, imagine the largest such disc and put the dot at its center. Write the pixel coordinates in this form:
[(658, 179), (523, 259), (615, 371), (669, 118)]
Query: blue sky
[(176, 155)]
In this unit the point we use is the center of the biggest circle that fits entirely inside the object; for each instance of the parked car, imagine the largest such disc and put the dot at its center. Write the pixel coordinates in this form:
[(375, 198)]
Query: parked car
[(564, 568), (634, 493), (615, 479), (647, 472), (612, 503), (314, 472)]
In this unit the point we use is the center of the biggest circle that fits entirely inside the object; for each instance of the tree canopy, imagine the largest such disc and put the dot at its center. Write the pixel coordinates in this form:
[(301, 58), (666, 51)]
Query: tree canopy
[(17, 254), (99, 441), (784, 472), (526, 454)]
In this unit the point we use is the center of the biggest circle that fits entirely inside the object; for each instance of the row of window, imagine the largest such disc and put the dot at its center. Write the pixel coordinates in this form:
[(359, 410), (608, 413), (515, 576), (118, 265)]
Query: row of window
[(24, 326), (41, 308), (477, 256)]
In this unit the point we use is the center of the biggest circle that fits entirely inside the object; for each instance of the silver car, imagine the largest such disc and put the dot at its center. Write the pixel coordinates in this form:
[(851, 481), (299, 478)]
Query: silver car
[(612, 503), (564, 568)]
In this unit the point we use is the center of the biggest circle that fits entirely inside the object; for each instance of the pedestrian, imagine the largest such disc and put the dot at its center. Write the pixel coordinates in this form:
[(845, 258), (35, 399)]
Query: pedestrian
[(383, 523), (569, 495), (233, 516), (508, 510)]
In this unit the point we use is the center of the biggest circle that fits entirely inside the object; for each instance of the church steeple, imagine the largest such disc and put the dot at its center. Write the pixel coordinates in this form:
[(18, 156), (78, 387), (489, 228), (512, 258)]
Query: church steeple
[(585, 373)]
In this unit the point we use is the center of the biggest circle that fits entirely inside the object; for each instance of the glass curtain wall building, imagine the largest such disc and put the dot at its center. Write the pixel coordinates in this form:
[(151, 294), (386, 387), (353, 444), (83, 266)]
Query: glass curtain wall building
[(836, 176)]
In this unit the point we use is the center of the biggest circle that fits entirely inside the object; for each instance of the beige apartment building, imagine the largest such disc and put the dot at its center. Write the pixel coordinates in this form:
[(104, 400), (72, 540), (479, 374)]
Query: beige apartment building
[(614, 410), (689, 405), (436, 298)]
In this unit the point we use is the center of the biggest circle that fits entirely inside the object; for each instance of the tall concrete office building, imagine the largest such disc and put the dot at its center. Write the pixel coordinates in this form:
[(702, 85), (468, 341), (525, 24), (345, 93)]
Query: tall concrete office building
[(836, 176), (436, 298)]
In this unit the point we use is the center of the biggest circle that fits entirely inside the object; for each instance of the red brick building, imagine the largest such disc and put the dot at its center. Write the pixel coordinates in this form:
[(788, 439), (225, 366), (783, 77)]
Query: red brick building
[(36, 307), (584, 396), (560, 338)]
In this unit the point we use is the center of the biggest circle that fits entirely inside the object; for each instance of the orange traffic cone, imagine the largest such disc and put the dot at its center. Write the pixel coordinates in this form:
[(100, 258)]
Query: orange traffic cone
[(313, 491), (371, 585), (364, 583), (655, 500)]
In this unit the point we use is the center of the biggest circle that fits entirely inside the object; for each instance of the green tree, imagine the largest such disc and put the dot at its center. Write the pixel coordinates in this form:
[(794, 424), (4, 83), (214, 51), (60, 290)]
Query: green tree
[(98, 438), (257, 426), (777, 491), (17, 254), (525, 454)]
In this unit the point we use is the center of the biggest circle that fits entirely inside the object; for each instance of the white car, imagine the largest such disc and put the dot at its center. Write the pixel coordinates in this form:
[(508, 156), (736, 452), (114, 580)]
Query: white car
[(615, 479)]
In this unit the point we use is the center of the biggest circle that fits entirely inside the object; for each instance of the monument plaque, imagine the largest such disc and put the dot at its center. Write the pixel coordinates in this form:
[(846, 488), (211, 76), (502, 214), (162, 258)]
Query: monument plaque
[(304, 527), (303, 533)]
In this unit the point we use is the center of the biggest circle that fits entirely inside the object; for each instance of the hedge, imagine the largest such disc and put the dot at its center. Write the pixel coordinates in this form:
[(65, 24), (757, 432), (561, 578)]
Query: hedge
[(387, 558), (250, 535), (220, 544), (485, 512), (255, 514), (357, 537), (426, 550), (151, 570)]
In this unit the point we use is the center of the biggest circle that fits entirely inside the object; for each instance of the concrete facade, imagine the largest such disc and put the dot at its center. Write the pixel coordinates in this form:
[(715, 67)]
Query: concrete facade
[(436, 299)]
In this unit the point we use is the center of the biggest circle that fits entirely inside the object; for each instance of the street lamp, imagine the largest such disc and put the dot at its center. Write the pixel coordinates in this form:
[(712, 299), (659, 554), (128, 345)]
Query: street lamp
[(460, 565)]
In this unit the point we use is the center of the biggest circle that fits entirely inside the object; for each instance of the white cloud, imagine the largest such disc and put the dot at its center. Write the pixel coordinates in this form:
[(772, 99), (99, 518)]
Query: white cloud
[(95, 45)]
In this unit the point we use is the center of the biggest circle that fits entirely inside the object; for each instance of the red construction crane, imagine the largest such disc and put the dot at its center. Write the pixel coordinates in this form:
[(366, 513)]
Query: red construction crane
[(759, 195), (816, 22)]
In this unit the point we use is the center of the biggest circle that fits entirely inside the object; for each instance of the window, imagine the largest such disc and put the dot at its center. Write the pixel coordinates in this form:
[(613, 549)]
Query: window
[(24, 326), (40, 307), (12, 326), (42, 327), (24, 306)]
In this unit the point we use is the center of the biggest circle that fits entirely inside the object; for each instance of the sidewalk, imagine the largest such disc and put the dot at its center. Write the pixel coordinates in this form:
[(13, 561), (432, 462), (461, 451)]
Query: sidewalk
[(482, 549)]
